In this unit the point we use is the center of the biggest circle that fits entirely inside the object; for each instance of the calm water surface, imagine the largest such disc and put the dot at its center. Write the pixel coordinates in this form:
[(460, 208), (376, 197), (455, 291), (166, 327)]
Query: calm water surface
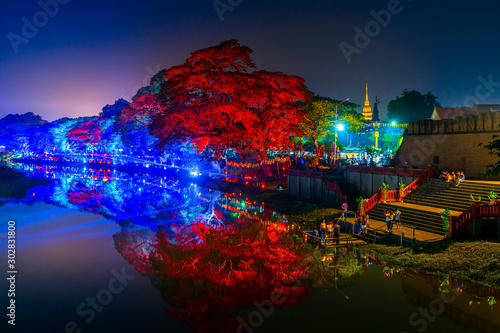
[(102, 251)]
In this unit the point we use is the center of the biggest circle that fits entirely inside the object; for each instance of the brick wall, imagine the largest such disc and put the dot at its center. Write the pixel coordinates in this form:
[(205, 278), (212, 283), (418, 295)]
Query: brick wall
[(456, 151), (455, 141)]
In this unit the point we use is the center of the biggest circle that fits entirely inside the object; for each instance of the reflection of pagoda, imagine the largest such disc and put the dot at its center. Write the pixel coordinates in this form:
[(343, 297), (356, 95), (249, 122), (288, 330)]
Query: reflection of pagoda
[(367, 110)]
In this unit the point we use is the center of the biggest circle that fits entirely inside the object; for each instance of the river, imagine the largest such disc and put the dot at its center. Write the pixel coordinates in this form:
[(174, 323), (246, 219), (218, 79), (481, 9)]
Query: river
[(107, 251)]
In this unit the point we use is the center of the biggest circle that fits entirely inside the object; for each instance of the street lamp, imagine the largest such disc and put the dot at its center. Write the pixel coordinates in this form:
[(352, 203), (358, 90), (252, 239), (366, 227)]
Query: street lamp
[(336, 119)]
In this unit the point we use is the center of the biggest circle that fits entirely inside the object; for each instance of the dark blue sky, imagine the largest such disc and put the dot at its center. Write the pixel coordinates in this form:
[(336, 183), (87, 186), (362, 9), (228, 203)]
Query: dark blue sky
[(91, 53)]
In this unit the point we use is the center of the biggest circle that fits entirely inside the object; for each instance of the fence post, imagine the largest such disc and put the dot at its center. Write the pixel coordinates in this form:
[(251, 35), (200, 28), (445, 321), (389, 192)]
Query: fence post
[(451, 226), (498, 218)]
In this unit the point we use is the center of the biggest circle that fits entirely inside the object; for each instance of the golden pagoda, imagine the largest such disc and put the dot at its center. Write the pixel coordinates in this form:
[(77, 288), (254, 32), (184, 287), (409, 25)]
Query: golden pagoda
[(367, 109)]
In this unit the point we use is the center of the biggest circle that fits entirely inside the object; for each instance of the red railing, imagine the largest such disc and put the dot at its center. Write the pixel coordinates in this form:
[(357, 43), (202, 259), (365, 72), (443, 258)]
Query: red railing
[(371, 202), (416, 183), (460, 222), (394, 195), (333, 186), (488, 210)]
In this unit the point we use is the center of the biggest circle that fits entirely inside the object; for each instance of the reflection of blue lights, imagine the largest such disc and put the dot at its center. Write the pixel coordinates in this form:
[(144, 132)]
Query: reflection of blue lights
[(132, 200), (195, 173)]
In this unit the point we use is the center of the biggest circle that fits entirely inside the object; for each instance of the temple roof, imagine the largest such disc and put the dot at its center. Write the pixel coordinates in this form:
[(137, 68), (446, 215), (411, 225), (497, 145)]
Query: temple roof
[(367, 109), (452, 113), (480, 108)]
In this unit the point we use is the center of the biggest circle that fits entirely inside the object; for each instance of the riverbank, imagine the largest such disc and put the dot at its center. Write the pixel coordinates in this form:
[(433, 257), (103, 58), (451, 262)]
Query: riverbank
[(15, 185), (476, 261), (299, 212)]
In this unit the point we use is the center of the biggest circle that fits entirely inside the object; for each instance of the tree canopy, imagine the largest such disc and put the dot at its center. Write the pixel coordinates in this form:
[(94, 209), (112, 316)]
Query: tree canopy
[(411, 105), (319, 118), (215, 102)]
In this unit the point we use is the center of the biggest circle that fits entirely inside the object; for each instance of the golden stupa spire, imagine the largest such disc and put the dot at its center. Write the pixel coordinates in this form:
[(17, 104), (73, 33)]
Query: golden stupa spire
[(367, 109)]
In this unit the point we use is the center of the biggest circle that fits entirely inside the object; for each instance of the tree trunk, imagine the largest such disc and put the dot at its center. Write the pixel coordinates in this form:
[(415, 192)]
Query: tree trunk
[(263, 154)]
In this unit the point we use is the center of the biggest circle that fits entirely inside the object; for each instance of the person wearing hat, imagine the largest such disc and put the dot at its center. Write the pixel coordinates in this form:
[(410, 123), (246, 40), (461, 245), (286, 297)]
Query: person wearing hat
[(387, 219)]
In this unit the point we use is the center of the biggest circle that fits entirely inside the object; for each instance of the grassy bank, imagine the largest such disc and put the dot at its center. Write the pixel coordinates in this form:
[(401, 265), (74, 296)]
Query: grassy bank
[(475, 261), (296, 211)]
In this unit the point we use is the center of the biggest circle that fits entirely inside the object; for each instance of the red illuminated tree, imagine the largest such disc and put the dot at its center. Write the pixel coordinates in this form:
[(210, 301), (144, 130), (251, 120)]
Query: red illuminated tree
[(214, 101), (87, 132)]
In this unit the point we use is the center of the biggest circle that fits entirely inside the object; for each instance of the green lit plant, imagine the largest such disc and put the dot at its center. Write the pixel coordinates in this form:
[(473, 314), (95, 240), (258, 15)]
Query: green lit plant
[(384, 189), (492, 196), (491, 301), (360, 205), (478, 198), (446, 222), (401, 190)]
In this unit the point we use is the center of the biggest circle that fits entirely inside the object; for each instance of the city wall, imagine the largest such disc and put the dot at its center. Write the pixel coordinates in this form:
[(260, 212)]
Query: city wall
[(307, 188), (368, 179), (453, 141)]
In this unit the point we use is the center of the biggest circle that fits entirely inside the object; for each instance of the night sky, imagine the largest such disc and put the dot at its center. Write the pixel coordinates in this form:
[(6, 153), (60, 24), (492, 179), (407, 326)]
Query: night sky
[(91, 53)]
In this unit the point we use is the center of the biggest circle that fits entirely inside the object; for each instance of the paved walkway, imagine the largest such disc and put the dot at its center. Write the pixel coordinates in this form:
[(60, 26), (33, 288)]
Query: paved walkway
[(422, 208), (420, 235)]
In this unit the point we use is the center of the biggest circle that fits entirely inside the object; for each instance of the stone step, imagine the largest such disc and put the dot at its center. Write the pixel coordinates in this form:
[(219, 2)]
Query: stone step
[(441, 203), (426, 223)]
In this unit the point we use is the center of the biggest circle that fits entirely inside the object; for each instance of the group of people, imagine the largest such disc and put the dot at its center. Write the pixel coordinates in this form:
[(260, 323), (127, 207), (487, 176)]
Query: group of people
[(455, 178), (361, 224), (392, 217), (329, 228)]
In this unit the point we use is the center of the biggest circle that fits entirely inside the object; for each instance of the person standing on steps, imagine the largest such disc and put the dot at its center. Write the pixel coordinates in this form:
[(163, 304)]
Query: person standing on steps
[(397, 217), (387, 216)]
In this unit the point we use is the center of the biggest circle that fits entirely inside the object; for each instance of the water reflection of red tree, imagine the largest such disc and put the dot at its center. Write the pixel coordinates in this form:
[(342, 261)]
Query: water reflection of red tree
[(81, 194), (211, 275)]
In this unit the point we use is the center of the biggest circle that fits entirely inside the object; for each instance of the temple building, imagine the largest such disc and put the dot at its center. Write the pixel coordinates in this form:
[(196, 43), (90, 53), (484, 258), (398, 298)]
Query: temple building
[(452, 113), (367, 109)]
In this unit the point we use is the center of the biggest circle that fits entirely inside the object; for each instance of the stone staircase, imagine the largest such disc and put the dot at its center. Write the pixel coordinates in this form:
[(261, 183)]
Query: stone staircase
[(432, 197), (423, 220), (434, 193)]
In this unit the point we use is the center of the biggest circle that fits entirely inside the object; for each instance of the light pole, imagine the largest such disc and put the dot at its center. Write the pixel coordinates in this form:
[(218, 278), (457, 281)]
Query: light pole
[(336, 120)]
